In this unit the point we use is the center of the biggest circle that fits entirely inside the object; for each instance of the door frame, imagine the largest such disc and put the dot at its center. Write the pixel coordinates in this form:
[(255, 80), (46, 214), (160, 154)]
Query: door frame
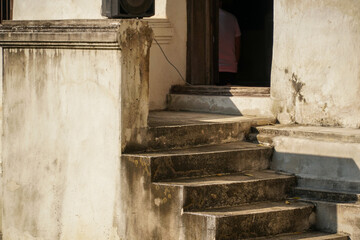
[(202, 42)]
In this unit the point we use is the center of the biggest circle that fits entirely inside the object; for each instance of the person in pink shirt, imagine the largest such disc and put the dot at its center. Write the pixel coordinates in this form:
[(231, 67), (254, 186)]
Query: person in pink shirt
[(229, 47)]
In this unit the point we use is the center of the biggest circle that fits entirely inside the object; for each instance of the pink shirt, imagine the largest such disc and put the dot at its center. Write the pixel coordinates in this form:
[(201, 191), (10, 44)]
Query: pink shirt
[(228, 31)]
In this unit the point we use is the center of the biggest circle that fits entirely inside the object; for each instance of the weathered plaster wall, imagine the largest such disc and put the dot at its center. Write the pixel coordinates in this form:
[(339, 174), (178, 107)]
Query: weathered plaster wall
[(56, 9), (135, 41), (160, 9), (67, 9), (70, 108), (162, 74), (61, 152), (316, 62)]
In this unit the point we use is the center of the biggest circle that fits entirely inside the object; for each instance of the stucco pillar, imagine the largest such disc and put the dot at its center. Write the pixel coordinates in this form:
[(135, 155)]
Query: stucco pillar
[(75, 96)]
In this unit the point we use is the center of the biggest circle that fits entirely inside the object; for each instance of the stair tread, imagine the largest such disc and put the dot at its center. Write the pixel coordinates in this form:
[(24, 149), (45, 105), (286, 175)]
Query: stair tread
[(179, 118), (197, 150), (304, 236), (222, 179), (350, 135), (253, 208)]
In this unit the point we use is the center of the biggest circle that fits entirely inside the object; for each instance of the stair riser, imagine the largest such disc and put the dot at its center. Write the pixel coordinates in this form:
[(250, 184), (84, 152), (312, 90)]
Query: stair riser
[(184, 136), (338, 217), (247, 226), (327, 196), (229, 195), (195, 165), (259, 106), (335, 185)]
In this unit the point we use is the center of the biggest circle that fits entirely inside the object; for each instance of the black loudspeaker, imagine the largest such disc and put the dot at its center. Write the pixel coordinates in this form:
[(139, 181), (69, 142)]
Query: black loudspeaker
[(128, 8)]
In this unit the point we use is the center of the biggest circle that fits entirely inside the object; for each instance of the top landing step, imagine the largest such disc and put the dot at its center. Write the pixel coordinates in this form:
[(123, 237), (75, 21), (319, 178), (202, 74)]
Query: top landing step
[(346, 135), (183, 118), (223, 100), (221, 90)]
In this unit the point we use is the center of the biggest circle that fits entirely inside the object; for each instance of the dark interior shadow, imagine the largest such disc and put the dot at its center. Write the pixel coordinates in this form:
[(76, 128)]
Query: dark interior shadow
[(255, 19)]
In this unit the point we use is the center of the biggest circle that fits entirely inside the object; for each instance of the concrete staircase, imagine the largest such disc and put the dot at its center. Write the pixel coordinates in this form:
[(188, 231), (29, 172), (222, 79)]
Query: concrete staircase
[(199, 180)]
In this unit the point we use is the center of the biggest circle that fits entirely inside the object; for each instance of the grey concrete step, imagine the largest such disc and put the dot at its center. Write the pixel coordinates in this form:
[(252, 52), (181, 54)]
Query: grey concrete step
[(338, 217), (346, 135), (232, 190), (305, 236), (327, 155), (327, 195), (203, 161), (249, 221), (169, 129), (236, 105), (221, 90), (326, 183)]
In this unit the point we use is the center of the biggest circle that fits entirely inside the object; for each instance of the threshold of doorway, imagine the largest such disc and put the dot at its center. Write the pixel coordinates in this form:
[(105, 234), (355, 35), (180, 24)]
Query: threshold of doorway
[(210, 90), (243, 101)]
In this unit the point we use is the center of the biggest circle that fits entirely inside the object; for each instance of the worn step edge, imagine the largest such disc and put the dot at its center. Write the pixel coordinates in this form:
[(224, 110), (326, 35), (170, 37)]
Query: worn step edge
[(251, 220), (203, 149), (241, 177), (309, 181), (327, 195), (175, 137), (252, 208), (304, 236), (204, 160), (233, 190), (318, 133)]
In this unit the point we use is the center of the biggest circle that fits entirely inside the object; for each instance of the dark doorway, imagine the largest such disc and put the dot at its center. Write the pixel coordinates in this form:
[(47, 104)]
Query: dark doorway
[(256, 23), (6, 10)]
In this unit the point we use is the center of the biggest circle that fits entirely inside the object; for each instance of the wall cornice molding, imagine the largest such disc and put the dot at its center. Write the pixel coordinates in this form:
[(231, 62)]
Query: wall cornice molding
[(85, 34)]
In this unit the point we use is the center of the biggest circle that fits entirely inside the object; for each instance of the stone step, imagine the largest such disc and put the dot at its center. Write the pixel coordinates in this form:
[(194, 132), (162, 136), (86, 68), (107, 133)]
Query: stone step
[(305, 236), (236, 105), (168, 129), (249, 221), (326, 183), (221, 90), (232, 190), (331, 134), (203, 161), (338, 217), (328, 154), (327, 195)]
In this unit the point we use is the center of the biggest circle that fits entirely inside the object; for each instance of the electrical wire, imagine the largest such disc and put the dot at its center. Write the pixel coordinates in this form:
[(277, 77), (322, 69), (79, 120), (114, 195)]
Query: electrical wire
[(167, 59)]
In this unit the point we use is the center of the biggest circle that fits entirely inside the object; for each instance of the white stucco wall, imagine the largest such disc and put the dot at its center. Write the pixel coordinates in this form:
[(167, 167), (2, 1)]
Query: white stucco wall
[(160, 8), (67, 9), (70, 109), (56, 9), (162, 74), (316, 62), (61, 157)]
